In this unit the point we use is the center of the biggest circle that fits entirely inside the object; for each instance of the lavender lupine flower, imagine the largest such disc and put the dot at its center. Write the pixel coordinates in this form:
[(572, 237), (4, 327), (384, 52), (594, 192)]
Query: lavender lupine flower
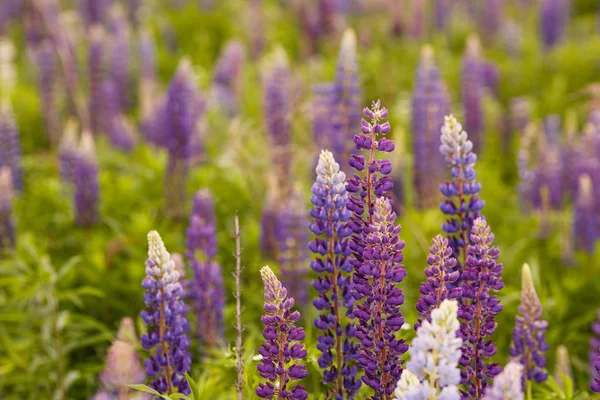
[(46, 61), (594, 355), (507, 385), (529, 345), (166, 340), (7, 224), (96, 71), (179, 122), (323, 110), (207, 286), (429, 105), (418, 19), (270, 228), (586, 222), (8, 70), (122, 366), (554, 15), (462, 204), (85, 180), (283, 348), (68, 153), (226, 77), (491, 17), (432, 372), (346, 116), (119, 63), (10, 146), (277, 93), (115, 125), (443, 14), (472, 91), (379, 300), (481, 277), (94, 11), (292, 250), (334, 283), (441, 279)]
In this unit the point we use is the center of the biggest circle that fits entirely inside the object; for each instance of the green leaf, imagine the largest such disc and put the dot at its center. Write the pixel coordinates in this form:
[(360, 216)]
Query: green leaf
[(146, 389), (193, 387)]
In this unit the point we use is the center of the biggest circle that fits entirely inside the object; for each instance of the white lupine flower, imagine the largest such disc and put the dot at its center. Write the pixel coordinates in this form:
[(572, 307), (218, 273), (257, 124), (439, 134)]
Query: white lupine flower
[(329, 174), (507, 385), (165, 268), (434, 356), (455, 141)]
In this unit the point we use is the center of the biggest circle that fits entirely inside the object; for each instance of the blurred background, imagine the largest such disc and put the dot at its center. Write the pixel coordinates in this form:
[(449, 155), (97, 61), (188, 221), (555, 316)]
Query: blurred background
[(91, 159)]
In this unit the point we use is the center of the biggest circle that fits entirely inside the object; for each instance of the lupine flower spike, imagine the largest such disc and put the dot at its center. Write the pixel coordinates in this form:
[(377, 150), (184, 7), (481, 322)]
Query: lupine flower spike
[(481, 277), (377, 257), (333, 284), (292, 251), (529, 345), (68, 153), (7, 224), (594, 355), (563, 369), (96, 71), (283, 348), (8, 70), (166, 341), (432, 372), (586, 228), (85, 179), (429, 105), (554, 15), (441, 279), (179, 121), (226, 77), (122, 365), (10, 145), (507, 385), (207, 286), (462, 204)]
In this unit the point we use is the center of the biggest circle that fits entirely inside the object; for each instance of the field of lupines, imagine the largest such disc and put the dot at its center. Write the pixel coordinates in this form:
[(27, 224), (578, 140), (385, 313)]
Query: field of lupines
[(422, 178)]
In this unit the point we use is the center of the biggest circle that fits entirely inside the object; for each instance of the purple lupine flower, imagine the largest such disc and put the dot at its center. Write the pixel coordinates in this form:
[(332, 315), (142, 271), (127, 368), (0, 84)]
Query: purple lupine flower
[(96, 71), (147, 55), (276, 97), (418, 19), (167, 338), (481, 277), (334, 282), (346, 116), (179, 123), (507, 385), (10, 146), (472, 91), (122, 366), (441, 279), (283, 349), (7, 223), (207, 286), (292, 250), (226, 77), (323, 110), (529, 344), (85, 180), (430, 104), (116, 127), (10, 10), (443, 14), (151, 108), (94, 11), (491, 17), (68, 154), (133, 12), (46, 61), (462, 204), (119, 63), (379, 300), (255, 25), (554, 15), (594, 355), (186, 284), (586, 221)]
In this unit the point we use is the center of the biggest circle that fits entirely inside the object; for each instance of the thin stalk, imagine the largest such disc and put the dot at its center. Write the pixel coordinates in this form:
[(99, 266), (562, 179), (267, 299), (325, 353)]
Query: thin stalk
[(239, 367)]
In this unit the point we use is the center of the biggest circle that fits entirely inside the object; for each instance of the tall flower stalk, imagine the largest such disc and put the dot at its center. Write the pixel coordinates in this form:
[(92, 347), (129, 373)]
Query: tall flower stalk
[(529, 345), (283, 349), (429, 105), (45, 56), (10, 146), (166, 341), (334, 283), (7, 223), (376, 258), (207, 286), (432, 372), (85, 180), (481, 278), (441, 279), (462, 204)]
